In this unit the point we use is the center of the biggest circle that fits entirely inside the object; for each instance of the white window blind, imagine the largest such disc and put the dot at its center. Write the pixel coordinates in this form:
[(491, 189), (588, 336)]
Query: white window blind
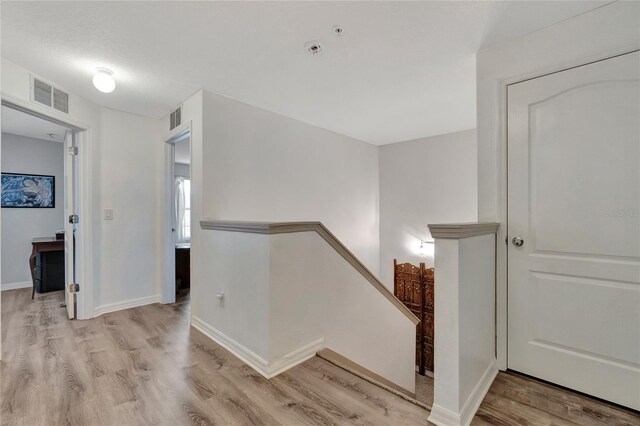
[(183, 210)]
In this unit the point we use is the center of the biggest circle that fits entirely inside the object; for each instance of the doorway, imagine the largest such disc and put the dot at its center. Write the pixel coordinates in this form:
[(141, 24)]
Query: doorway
[(179, 200), (574, 228), (39, 194)]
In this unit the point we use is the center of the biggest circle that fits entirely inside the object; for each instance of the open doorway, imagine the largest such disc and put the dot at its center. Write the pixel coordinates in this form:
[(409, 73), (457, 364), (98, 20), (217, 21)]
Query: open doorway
[(179, 181), (38, 198)]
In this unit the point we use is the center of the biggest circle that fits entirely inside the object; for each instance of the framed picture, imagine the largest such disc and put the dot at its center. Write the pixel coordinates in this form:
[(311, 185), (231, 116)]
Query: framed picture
[(28, 191)]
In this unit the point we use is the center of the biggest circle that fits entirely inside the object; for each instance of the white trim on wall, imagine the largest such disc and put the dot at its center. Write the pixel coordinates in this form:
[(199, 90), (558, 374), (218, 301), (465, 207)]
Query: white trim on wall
[(13, 286), (295, 357), (167, 293), (126, 304), (265, 368), (443, 417), (477, 395)]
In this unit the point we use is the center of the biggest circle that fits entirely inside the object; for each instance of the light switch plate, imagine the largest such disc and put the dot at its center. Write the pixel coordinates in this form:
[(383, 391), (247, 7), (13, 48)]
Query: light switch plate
[(108, 214)]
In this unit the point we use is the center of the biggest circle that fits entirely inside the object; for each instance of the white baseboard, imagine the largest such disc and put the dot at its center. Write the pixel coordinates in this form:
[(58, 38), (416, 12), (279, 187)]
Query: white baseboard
[(444, 417), (477, 395), (13, 286), (296, 357), (126, 304), (247, 356), (265, 368)]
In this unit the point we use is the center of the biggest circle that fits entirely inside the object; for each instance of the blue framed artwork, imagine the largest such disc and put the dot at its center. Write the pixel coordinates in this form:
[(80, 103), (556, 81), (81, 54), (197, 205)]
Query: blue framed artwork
[(28, 191)]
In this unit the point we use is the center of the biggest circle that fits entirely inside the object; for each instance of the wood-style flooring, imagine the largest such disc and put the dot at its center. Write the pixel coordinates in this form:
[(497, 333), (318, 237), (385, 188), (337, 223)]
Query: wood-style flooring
[(146, 366), (515, 399)]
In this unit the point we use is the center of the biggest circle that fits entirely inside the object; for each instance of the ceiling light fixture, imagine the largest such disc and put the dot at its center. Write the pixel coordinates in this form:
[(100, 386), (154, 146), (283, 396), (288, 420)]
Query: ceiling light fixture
[(313, 47), (103, 80)]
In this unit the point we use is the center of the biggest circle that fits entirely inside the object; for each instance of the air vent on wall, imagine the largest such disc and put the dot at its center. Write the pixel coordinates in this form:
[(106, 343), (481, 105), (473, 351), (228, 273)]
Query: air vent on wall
[(60, 100), (46, 94), (175, 119), (42, 92)]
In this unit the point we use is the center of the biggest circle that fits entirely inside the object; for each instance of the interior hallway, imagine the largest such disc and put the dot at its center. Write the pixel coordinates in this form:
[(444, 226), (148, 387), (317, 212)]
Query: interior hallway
[(147, 366)]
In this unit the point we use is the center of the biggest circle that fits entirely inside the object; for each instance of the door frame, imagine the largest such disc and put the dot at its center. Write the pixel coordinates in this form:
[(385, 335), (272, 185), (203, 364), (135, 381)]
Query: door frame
[(168, 291), (502, 259), (84, 177)]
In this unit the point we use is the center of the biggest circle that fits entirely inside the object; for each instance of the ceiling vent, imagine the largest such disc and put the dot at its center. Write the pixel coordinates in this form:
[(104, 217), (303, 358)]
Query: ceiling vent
[(50, 96), (175, 118)]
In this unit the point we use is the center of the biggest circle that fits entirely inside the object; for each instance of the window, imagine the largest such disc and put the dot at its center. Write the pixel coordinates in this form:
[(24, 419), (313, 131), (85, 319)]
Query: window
[(183, 210)]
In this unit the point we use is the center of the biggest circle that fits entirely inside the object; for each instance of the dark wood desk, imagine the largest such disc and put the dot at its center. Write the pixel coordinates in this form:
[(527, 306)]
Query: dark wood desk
[(42, 245), (183, 266)]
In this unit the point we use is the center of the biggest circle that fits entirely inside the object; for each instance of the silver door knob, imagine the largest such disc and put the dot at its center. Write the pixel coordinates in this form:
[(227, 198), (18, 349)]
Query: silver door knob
[(517, 241)]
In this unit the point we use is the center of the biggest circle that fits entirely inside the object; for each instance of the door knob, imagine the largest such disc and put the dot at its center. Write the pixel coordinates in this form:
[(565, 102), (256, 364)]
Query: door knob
[(517, 241)]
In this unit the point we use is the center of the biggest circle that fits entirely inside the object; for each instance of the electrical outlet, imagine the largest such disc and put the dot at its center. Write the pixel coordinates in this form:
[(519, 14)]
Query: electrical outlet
[(108, 214)]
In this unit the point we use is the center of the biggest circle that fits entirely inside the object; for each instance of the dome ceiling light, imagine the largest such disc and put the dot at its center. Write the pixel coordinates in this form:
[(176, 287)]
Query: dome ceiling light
[(103, 80)]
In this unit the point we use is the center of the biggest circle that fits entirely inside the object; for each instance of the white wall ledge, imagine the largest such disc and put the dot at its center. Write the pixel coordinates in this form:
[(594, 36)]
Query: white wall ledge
[(291, 227), (259, 227), (464, 356), (456, 231), (305, 292)]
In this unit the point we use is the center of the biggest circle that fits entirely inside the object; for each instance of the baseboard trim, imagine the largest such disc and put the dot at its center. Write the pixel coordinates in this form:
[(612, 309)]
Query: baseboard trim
[(366, 374), (479, 392), (265, 368), (127, 304), (443, 417), (296, 357), (247, 356), (13, 286)]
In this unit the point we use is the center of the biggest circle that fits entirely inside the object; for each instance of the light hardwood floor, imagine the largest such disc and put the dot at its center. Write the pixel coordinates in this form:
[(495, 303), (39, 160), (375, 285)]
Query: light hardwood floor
[(147, 366)]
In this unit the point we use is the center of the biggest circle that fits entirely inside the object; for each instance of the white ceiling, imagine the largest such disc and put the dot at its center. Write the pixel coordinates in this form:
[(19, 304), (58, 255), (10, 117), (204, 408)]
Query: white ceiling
[(401, 70), (20, 123)]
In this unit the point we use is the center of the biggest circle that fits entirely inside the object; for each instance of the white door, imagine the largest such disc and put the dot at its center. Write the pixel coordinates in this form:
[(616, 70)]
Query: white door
[(70, 227), (574, 200)]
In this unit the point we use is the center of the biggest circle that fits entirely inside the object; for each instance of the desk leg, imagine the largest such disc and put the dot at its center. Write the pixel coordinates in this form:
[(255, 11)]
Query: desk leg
[(32, 266)]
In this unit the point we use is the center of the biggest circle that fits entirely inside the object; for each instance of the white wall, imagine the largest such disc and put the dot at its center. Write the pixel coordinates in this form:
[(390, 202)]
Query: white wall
[(20, 226), (604, 32), (238, 265), (15, 87), (250, 164), (477, 309), (315, 293), (131, 176), (354, 318), (261, 166), (288, 295), (428, 180), (465, 363), (124, 172)]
